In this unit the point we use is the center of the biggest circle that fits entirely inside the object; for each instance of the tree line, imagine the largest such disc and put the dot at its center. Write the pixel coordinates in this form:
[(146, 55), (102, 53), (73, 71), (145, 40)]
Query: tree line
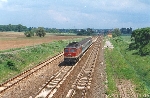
[(40, 31), (16, 28), (87, 32)]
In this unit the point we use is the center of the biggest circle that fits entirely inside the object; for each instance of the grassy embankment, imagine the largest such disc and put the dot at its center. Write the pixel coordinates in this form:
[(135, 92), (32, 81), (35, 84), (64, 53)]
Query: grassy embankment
[(12, 63), (128, 65)]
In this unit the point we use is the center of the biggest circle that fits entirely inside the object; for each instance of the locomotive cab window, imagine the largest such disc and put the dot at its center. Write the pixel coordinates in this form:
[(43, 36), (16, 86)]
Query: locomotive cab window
[(66, 50), (72, 50)]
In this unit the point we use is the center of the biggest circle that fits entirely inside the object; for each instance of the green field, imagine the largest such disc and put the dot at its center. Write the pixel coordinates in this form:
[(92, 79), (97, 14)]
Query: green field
[(128, 65)]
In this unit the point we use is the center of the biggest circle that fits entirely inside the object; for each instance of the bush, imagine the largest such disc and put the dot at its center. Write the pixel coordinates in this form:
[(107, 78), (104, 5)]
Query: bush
[(40, 32), (116, 32), (1, 62), (132, 46), (29, 33), (11, 65), (145, 50)]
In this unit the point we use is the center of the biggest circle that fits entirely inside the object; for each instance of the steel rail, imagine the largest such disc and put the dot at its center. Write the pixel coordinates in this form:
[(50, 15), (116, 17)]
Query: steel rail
[(11, 82)]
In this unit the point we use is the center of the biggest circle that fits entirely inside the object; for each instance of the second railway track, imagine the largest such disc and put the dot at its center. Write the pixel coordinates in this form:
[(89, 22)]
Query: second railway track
[(11, 82), (51, 86)]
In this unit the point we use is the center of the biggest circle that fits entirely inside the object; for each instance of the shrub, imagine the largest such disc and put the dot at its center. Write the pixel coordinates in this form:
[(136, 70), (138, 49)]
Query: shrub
[(132, 46), (11, 65), (145, 50), (1, 62), (29, 33), (40, 32)]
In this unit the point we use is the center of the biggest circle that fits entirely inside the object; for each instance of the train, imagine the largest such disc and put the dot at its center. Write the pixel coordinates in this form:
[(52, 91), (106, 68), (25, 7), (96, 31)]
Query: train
[(74, 51)]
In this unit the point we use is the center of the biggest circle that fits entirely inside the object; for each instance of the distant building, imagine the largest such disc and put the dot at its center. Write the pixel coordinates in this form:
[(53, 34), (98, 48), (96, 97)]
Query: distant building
[(109, 34), (126, 30)]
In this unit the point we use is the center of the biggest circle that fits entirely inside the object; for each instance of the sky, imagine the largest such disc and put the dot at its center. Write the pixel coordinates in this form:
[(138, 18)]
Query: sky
[(76, 14)]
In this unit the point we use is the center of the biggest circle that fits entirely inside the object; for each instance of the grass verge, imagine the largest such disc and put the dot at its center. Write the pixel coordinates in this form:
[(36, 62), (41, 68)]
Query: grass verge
[(124, 64)]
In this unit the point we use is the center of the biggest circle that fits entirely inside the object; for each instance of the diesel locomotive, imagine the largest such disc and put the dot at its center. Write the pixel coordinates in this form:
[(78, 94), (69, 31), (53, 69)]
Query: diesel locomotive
[(73, 51)]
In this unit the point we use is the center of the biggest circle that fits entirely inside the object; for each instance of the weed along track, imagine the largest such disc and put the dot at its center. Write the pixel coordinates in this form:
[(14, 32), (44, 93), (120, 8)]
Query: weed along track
[(56, 79)]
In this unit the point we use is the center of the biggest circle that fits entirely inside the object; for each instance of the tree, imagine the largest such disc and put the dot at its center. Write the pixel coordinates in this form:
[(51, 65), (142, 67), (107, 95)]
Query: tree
[(89, 31), (19, 28), (81, 32), (9, 27), (40, 32), (141, 40), (29, 33), (1, 28), (116, 32)]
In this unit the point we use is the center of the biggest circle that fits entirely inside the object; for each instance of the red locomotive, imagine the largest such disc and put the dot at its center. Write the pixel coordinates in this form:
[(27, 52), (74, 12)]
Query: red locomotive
[(75, 50)]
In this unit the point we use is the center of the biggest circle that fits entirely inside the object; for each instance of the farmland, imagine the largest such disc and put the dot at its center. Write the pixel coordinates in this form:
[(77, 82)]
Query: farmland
[(10, 40)]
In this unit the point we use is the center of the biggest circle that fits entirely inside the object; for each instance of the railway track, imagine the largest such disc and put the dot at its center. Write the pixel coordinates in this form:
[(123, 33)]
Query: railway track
[(84, 78), (11, 82), (51, 86)]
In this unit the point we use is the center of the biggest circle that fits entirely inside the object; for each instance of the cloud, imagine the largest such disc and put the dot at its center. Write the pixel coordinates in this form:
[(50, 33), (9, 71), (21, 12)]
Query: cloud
[(116, 5), (58, 16), (2, 2), (78, 13)]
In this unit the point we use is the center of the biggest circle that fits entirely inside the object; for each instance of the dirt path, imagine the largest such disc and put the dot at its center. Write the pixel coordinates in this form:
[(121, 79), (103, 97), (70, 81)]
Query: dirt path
[(126, 89)]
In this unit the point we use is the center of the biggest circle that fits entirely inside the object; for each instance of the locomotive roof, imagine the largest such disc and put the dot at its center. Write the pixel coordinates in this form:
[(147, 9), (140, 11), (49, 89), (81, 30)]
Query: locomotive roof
[(77, 44), (73, 44)]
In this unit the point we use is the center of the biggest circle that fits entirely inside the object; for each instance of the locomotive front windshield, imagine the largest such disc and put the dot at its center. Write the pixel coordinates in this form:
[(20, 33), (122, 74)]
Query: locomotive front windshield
[(72, 50), (66, 50)]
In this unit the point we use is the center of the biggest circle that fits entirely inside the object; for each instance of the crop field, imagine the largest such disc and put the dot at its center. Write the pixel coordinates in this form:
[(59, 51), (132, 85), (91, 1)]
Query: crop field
[(10, 40), (127, 65), (19, 53)]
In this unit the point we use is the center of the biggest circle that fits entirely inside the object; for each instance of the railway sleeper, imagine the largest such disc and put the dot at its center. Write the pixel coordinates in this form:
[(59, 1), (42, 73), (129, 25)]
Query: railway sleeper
[(2, 88), (53, 83), (70, 93), (81, 87), (50, 86), (82, 82)]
